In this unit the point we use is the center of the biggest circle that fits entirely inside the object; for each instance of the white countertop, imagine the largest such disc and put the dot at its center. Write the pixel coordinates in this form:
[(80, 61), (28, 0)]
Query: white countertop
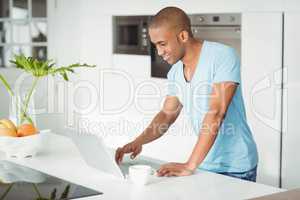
[(62, 159)]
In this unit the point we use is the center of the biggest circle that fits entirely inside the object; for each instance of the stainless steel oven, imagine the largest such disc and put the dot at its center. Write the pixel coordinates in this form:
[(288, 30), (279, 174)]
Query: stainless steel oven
[(130, 35), (223, 28)]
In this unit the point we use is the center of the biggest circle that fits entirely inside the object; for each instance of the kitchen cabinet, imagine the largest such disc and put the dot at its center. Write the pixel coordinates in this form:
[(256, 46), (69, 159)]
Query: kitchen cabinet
[(270, 72), (64, 30), (261, 79), (291, 110), (64, 47), (23, 29)]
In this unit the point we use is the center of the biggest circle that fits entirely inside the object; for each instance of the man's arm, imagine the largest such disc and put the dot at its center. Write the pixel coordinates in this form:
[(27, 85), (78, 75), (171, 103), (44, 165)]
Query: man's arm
[(219, 103), (159, 125), (220, 99), (162, 121)]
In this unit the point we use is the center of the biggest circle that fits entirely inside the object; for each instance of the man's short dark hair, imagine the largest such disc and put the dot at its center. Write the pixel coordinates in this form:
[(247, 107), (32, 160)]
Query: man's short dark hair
[(173, 18)]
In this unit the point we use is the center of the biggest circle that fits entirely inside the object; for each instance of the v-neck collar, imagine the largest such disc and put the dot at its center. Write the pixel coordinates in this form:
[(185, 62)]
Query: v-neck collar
[(198, 65)]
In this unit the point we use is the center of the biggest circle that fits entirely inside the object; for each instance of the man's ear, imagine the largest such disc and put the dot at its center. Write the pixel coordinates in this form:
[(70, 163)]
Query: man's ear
[(184, 36)]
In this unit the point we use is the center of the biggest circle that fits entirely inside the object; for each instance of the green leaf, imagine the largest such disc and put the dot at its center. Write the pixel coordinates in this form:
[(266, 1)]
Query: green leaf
[(70, 70), (6, 85), (53, 194), (64, 74), (65, 193), (43, 68), (38, 69), (45, 65)]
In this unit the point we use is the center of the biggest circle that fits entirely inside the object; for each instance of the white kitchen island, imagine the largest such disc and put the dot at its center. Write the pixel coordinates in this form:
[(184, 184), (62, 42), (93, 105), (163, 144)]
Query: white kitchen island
[(61, 158)]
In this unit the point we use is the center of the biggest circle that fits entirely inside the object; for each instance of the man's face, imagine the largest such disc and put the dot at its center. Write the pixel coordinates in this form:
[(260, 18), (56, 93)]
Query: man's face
[(167, 44)]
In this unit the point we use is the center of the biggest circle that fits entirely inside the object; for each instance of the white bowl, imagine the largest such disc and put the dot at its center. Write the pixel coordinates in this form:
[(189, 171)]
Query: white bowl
[(22, 147)]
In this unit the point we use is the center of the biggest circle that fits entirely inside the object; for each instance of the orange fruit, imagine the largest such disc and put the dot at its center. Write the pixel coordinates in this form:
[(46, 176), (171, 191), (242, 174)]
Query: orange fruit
[(26, 130), (7, 124), (7, 128), (8, 132)]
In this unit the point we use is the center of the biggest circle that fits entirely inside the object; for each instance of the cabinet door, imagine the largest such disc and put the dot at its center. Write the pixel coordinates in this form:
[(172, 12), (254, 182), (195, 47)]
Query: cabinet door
[(261, 76), (65, 33), (291, 131)]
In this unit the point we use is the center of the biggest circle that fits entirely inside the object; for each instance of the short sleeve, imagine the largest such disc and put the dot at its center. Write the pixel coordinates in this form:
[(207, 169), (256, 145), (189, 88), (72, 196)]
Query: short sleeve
[(227, 66)]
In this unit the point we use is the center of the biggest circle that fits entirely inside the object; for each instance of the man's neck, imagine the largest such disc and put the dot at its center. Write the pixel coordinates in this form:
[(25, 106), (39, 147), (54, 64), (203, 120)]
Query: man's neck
[(192, 54)]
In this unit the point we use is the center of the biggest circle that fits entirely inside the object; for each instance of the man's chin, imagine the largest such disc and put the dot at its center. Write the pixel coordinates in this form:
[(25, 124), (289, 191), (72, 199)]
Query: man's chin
[(170, 62)]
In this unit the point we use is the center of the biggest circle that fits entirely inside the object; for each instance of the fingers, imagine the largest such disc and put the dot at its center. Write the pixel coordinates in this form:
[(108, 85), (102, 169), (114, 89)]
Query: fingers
[(172, 173), (126, 149), (168, 172), (163, 170), (173, 169), (119, 155), (135, 153)]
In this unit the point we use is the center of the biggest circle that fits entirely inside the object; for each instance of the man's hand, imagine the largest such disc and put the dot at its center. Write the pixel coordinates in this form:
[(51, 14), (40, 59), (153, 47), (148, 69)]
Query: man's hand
[(133, 147), (175, 169), (158, 126)]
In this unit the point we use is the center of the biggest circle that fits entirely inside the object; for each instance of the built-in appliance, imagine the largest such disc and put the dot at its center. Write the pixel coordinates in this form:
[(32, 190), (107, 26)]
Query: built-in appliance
[(223, 28), (130, 35), (19, 182)]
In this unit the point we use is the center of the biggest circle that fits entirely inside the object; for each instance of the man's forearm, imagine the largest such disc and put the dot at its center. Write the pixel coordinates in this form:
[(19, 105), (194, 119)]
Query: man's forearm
[(208, 134), (156, 129)]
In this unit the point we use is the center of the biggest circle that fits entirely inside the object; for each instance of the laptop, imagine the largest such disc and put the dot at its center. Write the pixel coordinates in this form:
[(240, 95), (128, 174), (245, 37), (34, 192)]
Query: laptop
[(97, 155)]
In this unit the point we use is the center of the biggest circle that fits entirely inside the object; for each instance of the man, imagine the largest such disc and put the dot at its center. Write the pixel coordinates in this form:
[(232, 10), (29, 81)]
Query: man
[(204, 81)]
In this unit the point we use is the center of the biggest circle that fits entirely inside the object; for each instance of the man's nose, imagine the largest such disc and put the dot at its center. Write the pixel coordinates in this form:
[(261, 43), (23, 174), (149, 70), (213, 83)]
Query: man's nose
[(160, 51)]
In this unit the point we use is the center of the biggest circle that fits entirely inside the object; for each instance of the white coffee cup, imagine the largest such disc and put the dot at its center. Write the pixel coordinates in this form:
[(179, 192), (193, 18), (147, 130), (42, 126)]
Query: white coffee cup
[(140, 174)]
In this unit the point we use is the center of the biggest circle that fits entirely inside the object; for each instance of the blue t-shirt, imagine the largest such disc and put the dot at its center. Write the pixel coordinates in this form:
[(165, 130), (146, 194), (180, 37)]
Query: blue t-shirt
[(234, 149)]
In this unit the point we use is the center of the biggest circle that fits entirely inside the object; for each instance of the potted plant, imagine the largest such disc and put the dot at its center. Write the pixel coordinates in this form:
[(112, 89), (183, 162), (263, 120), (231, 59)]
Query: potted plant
[(22, 123)]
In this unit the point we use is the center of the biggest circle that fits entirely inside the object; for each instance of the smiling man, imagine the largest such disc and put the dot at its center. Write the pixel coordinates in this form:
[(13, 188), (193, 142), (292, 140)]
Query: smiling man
[(204, 83)]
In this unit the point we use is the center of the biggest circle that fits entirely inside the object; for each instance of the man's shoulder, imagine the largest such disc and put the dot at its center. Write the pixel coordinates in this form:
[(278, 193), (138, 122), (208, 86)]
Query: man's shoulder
[(222, 52), (219, 47)]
